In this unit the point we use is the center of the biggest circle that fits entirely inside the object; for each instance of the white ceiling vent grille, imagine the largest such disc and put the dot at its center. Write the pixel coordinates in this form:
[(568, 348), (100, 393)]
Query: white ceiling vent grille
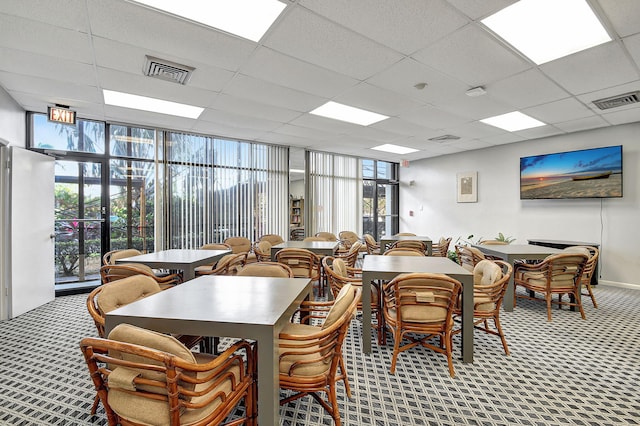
[(618, 101), (445, 138), (167, 70)]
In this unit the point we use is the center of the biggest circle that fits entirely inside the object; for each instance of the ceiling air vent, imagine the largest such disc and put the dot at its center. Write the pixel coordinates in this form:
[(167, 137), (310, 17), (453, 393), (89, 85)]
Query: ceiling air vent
[(167, 70), (618, 101), (445, 138)]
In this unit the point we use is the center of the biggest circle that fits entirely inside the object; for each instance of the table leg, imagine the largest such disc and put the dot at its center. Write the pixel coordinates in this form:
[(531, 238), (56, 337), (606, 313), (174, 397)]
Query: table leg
[(467, 318), (507, 301), (188, 274), (366, 312), (268, 380)]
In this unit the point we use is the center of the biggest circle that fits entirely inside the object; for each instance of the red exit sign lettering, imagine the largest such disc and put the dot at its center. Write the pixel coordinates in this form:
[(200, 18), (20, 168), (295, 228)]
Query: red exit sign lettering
[(62, 115)]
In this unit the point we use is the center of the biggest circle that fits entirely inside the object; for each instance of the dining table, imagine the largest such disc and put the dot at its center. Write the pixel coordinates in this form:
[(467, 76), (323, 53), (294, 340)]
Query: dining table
[(388, 267), (255, 308), (385, 241), (185, 260), (511, 253)]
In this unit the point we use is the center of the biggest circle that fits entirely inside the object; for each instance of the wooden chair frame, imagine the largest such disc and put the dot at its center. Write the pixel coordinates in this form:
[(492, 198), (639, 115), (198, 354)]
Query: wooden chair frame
[(403, 251), (228, 265), (109, 273), (468, 258), (441, 248), (373, 247)]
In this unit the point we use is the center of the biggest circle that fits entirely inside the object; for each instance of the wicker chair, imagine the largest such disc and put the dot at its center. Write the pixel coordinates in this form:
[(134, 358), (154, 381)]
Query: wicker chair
[(311, 355), (412, 244), (468, 257), (339, 275), (405, 234), (490, 281), (110, 257), (441, 249), (296, 234), (107, 297), (403, 251), (351, 256), (556, 274), (242, 245), (303, 263), (266, 269), (313, 239), (262, 250), (273, 239), (109, 273), (228, 265), (589, 268), (421, 304), (373, 247), (327, 236), (144, 377)]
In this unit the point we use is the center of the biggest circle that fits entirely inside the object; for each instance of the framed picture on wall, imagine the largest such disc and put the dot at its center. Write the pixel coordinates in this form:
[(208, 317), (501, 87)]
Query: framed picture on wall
[(467, 187)]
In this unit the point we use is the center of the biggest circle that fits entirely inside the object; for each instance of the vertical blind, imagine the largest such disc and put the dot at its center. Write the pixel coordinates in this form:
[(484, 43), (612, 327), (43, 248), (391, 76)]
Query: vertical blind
[(218, 188), (334, 193)]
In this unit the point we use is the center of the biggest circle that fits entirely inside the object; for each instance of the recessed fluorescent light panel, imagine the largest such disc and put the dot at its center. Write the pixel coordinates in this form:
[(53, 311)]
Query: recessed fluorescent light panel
[(544, 30), (144, 103), (347, 113), (395, 149), (513, 121), (249, 19)]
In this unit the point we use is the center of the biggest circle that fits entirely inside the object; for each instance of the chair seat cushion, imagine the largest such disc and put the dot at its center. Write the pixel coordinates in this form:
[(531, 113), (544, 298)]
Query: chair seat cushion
[(483, 303), (537, 279), (311, 354), (421, 314)]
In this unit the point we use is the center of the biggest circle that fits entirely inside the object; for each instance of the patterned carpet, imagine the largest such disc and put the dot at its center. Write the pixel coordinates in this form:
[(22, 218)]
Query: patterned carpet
[(567, 372)]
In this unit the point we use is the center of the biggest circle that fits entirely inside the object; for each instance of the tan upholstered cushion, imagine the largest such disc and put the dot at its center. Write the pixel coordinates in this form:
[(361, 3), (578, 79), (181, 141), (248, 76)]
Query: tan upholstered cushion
[(483, 303), (273, 239), (422, 313), (121, 254), (486, 272), (151, 339), (239, 244), (340, 305), (259, 269), (340, 268), (124, 291), (558, 281), (264, 246), (287, 361)]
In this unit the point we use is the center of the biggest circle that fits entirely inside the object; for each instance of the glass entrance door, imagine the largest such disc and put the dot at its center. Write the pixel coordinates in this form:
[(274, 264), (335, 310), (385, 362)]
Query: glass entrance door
[(79, 221)]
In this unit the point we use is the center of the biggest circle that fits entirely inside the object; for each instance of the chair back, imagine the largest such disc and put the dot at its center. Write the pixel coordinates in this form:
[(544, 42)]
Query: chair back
[(262, 249), (403, 251), (406, 234), (348, 237), (296, 234), (313, 239), (239, 244), (273, 239), (412, 244), (468, 257), (107, 297), (265, 269), (110, 257), (490, 281), (303, 263), (422, 300), (215, 246), (227, 265), (441, 249), (373, 247), (592, 260), (145, 377), (352, 255), (327, 236)]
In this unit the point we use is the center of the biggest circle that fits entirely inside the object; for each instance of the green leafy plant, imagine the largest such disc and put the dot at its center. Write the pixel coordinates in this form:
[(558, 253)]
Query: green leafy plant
[(504, 239)]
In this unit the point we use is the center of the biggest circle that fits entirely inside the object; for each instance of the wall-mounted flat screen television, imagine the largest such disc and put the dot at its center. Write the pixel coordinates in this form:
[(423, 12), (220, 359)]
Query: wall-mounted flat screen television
[(587, 173)]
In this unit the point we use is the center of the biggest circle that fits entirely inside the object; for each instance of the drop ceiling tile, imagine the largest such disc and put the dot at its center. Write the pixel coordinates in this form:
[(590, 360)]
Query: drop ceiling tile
[(269, 65), (404, 75), (238, 120), (261, 91), (405, 128), (225, 131), (582, 124), (632, 44), (326, 124), (125, 22), (470, 145), (305, 132), (473, 56), (38, 103), (70, 14), (502, 139), (146, 118), (540, 132), (559, 111), (316, 40), (284, 139), (153, 87), (45, 66), (476, 9), (622, 117), (375, 99), (256, 109), (433, 118), (30, 36), (374, 134), (592, 69), (623, 14), (131, 59), (475, 130), (50, 89), (473, 107), (526, 89), (421, 21)]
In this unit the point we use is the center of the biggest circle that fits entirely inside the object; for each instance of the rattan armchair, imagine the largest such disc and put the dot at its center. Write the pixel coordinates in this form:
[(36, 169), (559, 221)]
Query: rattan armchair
[(327, 236), (556, 274), (266, 269), (412, 244), (373, 247), (311, 355), (109, 273), (468, 257), (303, 263), (441, 248), (403, 251), (490, 281), (421, 304), (227, 265), (144, 377), (241, 245), (273, 239), (351, 256), (110, 257), (589, 268), (262, 250)]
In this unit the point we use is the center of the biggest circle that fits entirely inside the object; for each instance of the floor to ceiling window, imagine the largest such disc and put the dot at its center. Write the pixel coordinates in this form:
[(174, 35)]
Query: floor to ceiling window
[(380, 198)]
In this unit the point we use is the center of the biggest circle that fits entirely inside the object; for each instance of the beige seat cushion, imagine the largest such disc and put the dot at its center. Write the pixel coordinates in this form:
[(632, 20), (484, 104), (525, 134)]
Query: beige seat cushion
[(313, 353), (127, 290), (421, 313), (239, 244)]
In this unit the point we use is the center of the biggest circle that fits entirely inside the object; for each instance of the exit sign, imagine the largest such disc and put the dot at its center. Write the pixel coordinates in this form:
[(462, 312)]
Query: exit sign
[(62, 115)]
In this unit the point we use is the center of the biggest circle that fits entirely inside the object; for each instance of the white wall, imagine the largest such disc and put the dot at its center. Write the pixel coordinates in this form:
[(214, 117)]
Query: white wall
[(12, 121), (613, 223)]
